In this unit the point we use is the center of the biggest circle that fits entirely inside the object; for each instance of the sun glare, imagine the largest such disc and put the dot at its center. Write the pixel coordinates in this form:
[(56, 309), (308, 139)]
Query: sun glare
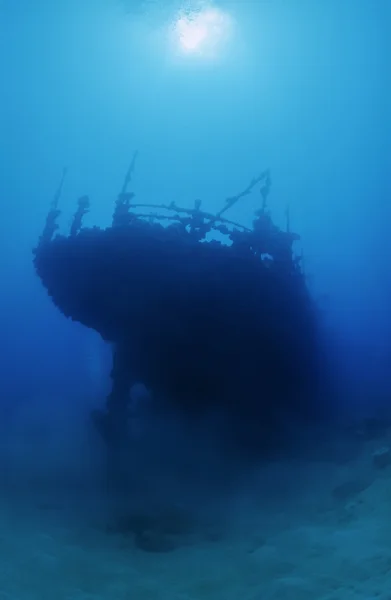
[(202, 33)]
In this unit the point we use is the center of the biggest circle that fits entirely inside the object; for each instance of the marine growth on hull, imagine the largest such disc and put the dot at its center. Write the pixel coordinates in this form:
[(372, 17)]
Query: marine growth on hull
[(225, 327)]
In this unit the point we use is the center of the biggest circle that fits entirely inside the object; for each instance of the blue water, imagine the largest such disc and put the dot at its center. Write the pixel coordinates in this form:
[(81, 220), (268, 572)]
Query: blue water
[(210, 94)]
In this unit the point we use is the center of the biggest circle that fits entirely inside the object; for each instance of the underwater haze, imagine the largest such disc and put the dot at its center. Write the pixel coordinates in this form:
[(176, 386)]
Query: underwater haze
[(210, 94)]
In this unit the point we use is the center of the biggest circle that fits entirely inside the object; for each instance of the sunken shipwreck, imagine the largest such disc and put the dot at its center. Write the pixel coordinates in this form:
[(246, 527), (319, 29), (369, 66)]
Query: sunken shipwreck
[(224, 326)]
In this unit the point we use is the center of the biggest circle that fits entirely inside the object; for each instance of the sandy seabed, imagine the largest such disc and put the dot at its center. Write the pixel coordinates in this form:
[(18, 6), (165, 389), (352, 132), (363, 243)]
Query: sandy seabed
[(299, 530)]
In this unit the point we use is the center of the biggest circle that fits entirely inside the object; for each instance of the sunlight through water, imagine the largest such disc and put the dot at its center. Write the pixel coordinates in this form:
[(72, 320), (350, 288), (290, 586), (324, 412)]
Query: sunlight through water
[(202, 33)]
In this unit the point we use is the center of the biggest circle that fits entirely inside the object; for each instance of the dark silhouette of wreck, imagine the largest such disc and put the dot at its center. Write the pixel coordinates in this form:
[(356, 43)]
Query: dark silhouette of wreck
[(226, 327)]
